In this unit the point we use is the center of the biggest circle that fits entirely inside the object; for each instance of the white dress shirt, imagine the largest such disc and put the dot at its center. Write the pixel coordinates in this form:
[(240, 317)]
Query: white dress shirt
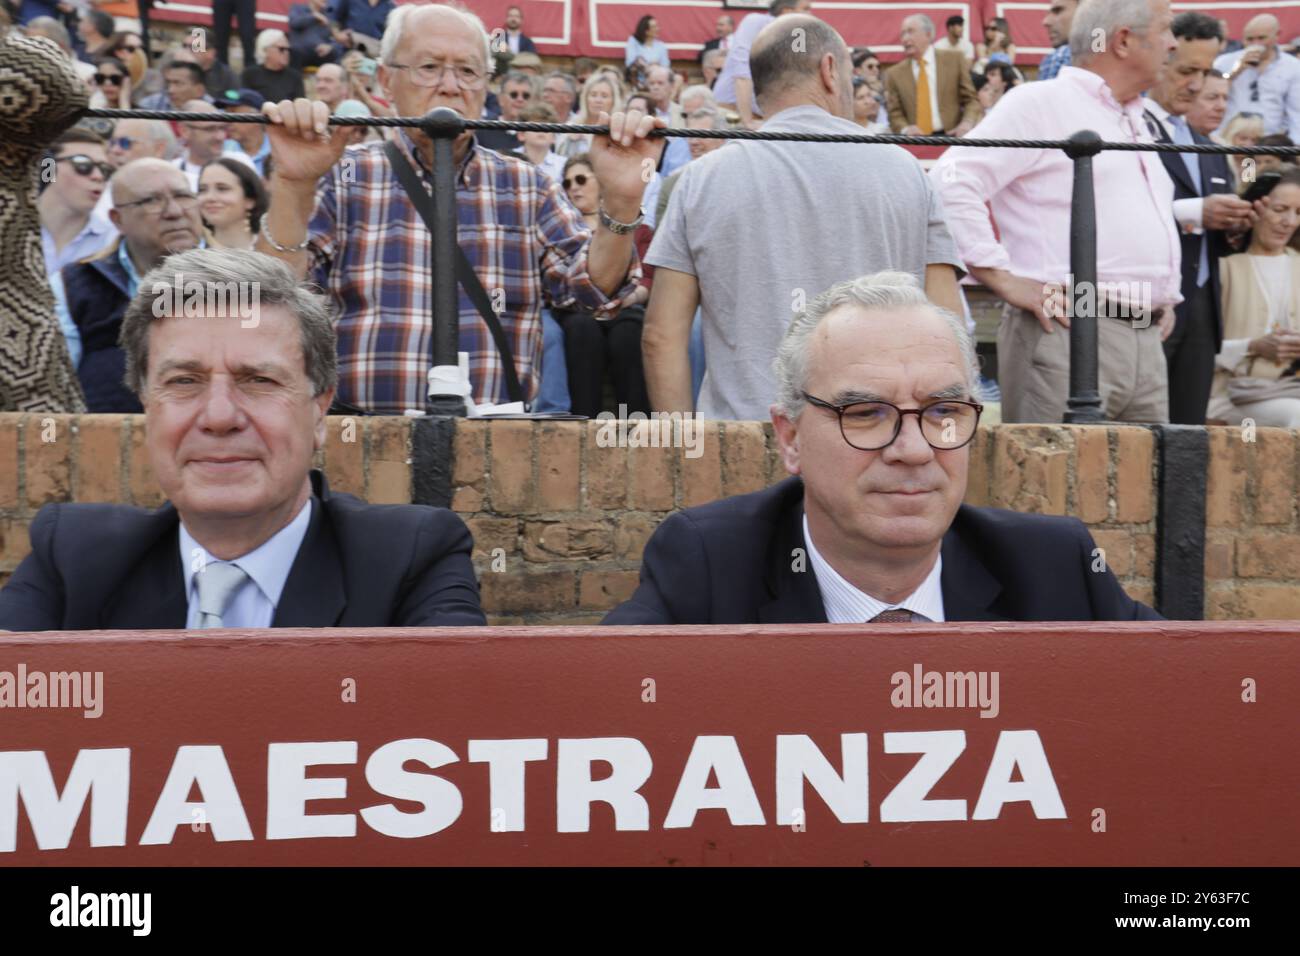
[(267, 567), (845, 604), (929, 58)]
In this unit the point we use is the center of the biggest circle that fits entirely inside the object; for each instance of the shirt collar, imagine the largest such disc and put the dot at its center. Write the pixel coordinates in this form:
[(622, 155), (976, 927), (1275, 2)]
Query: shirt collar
[(466, 172), (268, 564), (132, 274), (1098, 88), (846, 604)]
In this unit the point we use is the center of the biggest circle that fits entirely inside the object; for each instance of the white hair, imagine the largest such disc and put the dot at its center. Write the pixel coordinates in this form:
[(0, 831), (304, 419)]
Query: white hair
[(265, 40), (396, 24), (879, 292), (1104, 18), (927, 25), (699, 89)]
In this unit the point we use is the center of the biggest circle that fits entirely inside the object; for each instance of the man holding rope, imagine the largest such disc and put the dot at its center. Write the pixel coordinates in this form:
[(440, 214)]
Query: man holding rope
[(348, 226)]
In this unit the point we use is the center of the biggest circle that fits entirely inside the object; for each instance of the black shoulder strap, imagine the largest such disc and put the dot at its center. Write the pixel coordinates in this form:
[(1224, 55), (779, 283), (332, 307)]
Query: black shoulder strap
[(465, 274)]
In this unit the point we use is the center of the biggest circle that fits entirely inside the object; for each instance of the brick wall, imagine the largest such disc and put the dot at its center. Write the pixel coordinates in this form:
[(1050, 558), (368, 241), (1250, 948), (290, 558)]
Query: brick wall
[(559, 522)]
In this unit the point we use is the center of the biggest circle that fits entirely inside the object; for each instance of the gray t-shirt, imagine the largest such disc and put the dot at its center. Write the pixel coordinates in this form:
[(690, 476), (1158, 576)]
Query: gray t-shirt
[(767, 226)]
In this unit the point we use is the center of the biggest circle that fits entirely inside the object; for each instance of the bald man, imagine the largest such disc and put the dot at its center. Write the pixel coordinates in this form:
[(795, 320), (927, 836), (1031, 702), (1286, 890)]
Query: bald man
[(157, 214), (204, 142), (1264, 81), (331, 86)]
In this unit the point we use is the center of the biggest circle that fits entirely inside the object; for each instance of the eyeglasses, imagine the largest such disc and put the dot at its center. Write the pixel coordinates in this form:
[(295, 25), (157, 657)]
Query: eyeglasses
[(114, 78), (83, 165), (946, 424), (122, 142), (430, 74), (520, 94), (155, 204), (580, 179)]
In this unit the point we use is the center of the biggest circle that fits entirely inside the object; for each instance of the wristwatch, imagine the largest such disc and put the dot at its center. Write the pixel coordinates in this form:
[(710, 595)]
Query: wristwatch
[(616, 227)]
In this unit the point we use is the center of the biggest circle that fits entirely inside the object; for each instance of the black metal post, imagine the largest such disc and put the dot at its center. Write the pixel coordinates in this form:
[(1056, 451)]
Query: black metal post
[(1084, 404), (443, 126)]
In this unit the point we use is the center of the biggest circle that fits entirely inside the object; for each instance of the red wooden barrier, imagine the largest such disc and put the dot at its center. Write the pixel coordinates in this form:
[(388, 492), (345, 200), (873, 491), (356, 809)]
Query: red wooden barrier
[(1152, 744)]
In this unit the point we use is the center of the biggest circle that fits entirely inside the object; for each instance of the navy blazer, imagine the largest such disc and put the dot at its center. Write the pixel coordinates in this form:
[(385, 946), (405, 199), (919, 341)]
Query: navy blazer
[(734, 561), (103, 566), (1215, 178)]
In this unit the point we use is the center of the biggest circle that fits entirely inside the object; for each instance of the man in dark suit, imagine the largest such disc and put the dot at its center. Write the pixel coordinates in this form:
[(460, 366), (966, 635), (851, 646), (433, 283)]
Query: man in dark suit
[(1204, 207), (234, 363), (930, 90), (874, 417), (724, 28)]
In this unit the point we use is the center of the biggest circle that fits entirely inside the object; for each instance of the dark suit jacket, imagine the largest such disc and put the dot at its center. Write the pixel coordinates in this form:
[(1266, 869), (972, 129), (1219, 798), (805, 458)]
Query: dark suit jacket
[(954, 91), (1215, 178), (102, 566), (709, 45), (732, 562)]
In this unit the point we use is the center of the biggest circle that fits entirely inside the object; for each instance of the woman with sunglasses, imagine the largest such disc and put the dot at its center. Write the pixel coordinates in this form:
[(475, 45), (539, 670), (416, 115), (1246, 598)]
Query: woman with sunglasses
[(232, 199), (112, 85), (997, 39), (606, 341), (1255, 370)]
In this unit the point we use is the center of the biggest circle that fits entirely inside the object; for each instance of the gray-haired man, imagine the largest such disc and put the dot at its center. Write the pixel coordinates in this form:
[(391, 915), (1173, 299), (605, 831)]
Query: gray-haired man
[(234, 363), (874, 416)]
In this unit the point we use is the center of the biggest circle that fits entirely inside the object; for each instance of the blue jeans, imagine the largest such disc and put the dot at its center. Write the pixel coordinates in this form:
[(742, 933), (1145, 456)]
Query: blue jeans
[(696, 351), (553, 396)]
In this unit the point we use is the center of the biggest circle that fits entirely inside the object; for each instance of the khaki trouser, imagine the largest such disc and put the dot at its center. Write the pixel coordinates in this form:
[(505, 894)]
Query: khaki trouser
[(1034, 370)]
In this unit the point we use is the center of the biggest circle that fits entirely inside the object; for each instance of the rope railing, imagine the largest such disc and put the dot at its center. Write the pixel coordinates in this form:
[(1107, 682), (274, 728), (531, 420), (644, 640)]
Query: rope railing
[(444, 125)]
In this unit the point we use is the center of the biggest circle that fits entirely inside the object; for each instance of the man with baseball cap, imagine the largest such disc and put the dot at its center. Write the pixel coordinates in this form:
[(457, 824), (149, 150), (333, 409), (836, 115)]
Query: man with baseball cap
[(251, 137)]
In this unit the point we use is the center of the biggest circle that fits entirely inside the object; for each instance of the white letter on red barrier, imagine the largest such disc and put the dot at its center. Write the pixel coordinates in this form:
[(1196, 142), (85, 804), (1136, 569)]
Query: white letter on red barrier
[(1036, 783), (575, 791), (102, 775), (798, 758), (505, 760), (442, 801), (734, 792), (939, 750), (288, 790), (221, 807)]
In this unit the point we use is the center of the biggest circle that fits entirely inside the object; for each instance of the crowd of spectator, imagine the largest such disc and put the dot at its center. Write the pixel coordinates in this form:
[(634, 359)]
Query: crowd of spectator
[(632, 293)]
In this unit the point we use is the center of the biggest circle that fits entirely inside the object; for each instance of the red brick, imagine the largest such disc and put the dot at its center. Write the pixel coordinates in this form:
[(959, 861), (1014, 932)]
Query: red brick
[(650, 478), (606, 462), (49, 463), (144, 489), (744, 457), (1274, 556), (389, 460), (514, 592), (491, 533), (1272, 489), (702, 475), (1118, 546), (1030, 468), (571, 539), (345, 454), (1091, 473), (99, 458), (1225, 488), (558, 466), (631, 532), (605, 590), (9, 460), (1135, 481), (469, 468), (512, 466)]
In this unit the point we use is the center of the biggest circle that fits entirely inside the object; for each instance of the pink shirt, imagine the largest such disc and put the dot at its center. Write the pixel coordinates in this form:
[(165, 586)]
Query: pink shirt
[(1029, 190)]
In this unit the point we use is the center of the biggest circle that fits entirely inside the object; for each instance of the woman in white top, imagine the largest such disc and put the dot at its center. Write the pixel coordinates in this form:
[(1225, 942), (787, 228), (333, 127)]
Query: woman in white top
[(1261, 313)]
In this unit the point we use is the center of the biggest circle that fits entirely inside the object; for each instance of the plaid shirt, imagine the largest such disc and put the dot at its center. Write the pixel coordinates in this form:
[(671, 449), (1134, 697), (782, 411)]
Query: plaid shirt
[(370, 249), (1052, 63)]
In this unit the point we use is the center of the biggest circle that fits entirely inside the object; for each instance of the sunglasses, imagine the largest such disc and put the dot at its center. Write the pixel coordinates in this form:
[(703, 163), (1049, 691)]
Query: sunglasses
[(114, 78), (83, 165), (122, 142), (580, 179), (520, 95)]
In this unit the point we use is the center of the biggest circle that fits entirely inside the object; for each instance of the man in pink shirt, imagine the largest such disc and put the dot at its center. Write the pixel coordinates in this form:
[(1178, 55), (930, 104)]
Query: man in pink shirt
[(1028, 191)]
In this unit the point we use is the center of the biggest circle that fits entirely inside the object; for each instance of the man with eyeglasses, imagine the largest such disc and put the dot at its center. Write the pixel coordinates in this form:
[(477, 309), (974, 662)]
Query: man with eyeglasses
[(73, 176), (157, 214), (205, 142), (353, 230), (1264, 80), (518, 92), (874, 418)]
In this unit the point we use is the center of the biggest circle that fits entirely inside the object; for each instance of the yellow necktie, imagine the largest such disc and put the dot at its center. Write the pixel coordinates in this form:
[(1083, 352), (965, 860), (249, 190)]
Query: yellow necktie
[(924, 120)]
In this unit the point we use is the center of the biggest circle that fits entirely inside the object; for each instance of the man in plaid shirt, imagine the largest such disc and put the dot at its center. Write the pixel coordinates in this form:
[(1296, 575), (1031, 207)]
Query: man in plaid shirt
[(349, 226)]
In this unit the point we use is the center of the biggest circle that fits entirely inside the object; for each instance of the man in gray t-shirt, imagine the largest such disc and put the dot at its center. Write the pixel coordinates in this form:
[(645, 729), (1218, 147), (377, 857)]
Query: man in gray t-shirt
[(755, 228)]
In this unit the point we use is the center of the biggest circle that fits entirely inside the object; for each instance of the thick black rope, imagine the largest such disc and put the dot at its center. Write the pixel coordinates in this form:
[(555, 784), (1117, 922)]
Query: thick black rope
[(898, 139)]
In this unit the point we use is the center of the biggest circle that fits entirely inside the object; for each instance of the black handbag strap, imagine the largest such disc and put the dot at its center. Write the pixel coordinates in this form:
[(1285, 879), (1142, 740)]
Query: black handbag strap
[(465, 274)]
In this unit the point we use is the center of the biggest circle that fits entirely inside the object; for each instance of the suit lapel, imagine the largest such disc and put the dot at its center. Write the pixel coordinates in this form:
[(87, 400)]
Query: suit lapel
[(1173, 162), (153, 597), (794, 597), (969, 589), (313, 594)]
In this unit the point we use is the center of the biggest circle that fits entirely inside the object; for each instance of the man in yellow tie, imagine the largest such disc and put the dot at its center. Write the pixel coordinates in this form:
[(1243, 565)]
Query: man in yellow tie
[(930, 91)]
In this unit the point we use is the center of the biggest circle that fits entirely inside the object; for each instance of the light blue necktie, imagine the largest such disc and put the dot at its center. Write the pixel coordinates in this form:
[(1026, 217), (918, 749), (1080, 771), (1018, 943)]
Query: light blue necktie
[(218, 582), (1183, 137)]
